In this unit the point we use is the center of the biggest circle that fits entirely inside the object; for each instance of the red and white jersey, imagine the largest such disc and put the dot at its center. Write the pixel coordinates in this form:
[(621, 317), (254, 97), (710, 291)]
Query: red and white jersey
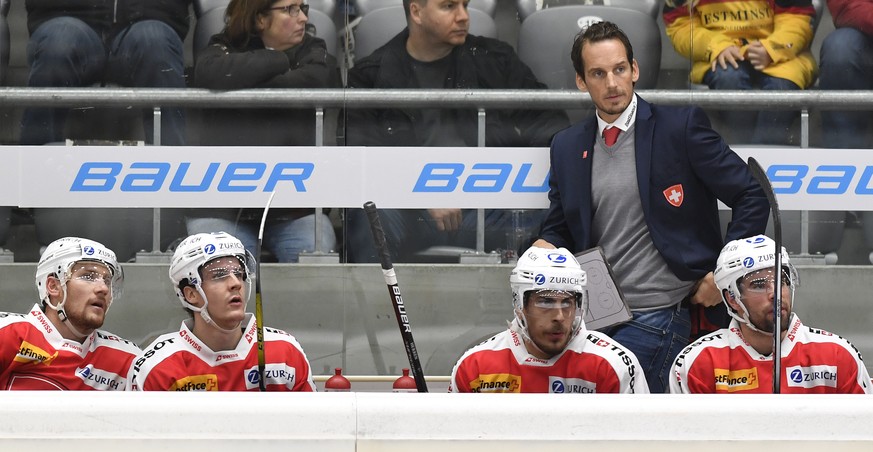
[(181, 362), (34, 355), (814, 361), (591, 363)]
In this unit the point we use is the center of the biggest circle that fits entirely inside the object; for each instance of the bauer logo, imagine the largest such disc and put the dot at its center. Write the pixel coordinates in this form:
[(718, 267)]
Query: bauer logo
[(479, 178), (749, 262), (812, 376), (540, 279), (822, 180), (558, 385), (178, 177)]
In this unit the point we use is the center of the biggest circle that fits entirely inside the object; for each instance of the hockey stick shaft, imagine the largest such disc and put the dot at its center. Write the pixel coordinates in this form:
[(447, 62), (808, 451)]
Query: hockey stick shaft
[(761, 176), (259, 305), (396, 298)]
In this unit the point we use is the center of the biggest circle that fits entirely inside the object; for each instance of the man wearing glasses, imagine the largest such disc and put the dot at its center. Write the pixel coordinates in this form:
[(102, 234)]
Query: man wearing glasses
[(739, 359), (217, 349), (547, 347), (57, 345)]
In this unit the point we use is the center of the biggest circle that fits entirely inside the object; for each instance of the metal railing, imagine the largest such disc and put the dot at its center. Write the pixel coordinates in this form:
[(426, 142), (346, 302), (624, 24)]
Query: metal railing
[(482, 100)]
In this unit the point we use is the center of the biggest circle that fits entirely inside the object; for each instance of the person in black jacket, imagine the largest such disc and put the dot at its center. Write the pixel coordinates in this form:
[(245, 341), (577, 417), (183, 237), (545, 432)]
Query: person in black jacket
[(75, 43), (264, 45), (436, 51)]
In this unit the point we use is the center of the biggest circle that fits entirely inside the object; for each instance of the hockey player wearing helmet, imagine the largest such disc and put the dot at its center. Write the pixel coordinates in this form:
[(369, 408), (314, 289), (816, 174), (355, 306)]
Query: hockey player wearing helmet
[(216, 349), (546, 347), (738, 359), (58, 344)]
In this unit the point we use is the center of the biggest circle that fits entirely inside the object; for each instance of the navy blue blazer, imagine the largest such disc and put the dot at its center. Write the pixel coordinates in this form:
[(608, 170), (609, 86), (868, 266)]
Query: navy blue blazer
[(676, 147)]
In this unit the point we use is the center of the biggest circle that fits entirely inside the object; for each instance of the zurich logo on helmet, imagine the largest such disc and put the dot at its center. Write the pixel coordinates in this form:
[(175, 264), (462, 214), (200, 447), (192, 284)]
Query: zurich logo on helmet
[(748, 262), (540, 279), (89, 250), (755, 240), (209, 249), (557, 258)]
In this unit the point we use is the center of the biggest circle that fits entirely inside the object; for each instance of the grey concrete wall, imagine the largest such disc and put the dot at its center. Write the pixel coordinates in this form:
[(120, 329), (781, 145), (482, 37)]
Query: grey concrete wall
[(342, 315)]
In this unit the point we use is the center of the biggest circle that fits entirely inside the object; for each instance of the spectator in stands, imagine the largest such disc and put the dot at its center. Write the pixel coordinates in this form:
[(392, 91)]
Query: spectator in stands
[(547, 348), (76, 43), (217, 349), (57, 345), (744, 45), (264, 45), (847, 63), (619, 180), (740, 358), (435, 51)]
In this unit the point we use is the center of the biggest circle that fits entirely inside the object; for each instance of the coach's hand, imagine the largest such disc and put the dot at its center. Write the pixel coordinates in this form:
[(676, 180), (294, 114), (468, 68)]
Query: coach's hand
[(706, 292), (542, 243)]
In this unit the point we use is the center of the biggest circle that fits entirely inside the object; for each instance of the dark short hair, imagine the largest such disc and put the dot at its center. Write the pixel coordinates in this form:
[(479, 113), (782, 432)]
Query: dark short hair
[(406, 4), (597, 32)]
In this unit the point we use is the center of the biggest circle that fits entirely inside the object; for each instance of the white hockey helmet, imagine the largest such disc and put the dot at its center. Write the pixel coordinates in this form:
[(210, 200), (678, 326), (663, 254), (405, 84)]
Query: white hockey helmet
[(58, 260), (196, 251), (548, 269), (744, 256), (59, 257)]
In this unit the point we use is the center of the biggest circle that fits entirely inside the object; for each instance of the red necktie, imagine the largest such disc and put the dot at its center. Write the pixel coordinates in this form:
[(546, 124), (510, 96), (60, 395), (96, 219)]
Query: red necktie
[(610, 134)]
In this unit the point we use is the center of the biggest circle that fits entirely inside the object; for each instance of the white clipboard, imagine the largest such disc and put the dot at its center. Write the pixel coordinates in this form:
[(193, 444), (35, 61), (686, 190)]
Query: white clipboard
[(606, 303)]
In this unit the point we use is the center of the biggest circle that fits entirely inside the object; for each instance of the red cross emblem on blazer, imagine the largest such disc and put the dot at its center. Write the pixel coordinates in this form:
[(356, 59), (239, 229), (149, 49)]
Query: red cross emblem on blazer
[(675, 195)]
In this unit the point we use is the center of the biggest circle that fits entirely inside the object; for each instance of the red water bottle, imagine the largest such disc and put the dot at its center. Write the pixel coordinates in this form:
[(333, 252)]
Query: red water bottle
[(405, 383), (337, 383)]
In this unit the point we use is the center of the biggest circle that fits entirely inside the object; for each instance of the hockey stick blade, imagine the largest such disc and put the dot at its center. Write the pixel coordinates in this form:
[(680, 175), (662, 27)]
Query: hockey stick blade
[(394, 292), (759, 174)]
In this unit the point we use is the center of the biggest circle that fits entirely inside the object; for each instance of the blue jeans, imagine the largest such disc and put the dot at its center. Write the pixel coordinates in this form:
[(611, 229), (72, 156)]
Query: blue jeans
[(846, 64), (767, 126), (656, 338), (284, 238), (65, 52), (409, 231)]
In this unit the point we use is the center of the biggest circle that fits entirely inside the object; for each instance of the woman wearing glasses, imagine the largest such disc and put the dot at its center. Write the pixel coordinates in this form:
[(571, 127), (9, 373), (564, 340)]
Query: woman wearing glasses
[(264, 44)]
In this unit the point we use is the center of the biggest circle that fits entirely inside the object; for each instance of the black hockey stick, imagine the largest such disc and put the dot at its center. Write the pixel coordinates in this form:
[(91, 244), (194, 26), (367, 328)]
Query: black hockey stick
[(761, 176), (259, 307), (394, 293)]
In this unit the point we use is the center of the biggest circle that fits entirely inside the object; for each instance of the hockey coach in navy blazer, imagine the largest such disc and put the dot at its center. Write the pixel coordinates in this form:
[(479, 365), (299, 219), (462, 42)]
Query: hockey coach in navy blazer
[(673, 146), (648, 195)]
